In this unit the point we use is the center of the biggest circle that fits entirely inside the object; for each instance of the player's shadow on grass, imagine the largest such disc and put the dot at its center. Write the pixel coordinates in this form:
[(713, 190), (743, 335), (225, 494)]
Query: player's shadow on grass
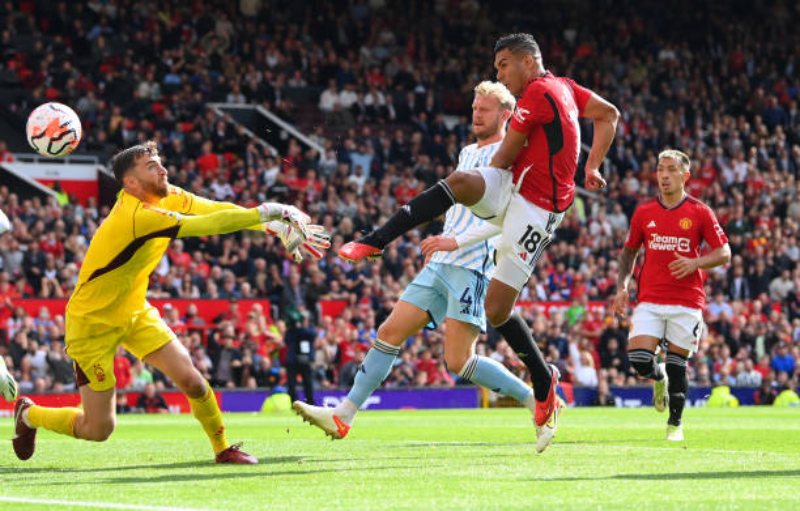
[(677, 476), (204, 463), (710, 475), (427, 445), (238, 474)]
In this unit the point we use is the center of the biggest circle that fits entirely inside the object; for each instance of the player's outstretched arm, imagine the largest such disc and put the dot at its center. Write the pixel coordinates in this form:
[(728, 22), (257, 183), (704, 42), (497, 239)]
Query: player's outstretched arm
[(684, 266), (188, 203), (232, 220), (627, 259), (318, 240), (605, 117)]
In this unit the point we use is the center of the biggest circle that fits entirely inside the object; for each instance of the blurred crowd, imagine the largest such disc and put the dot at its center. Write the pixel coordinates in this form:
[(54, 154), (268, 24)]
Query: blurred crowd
[(385, 89)]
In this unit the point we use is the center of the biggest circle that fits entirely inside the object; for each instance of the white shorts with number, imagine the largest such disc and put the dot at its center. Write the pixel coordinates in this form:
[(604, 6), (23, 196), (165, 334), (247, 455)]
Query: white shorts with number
[(682, 326), (499, 186), (527, 232)]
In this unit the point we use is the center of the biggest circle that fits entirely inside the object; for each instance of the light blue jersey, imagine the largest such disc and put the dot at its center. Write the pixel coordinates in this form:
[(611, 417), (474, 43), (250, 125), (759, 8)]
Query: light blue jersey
[(459, 219)]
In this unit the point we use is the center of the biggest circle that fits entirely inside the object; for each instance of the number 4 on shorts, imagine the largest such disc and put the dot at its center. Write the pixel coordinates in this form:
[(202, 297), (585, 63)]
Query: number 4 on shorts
[(466, 299)]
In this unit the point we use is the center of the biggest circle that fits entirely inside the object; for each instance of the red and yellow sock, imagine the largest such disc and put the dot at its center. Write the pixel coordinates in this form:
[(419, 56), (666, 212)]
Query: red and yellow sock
[(206, 410), (60, 420)]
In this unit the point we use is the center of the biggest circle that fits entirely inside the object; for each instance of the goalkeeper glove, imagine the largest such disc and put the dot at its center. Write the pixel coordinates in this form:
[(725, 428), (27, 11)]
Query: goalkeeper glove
[(317, 240)]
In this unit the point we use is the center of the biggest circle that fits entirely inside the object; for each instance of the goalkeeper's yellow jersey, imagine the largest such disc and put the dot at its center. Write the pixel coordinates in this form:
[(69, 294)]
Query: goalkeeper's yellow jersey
[(127, 247)]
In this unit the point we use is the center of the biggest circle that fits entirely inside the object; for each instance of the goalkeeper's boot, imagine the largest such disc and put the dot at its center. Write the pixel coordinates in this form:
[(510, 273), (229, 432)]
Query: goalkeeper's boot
[(323, 418), (235, 456), (674, 433), (660, 393), (356, 251), (24, 441)]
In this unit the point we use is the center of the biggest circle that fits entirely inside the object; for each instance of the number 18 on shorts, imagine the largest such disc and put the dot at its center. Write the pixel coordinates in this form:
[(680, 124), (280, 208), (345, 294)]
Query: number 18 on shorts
[(527, 231)]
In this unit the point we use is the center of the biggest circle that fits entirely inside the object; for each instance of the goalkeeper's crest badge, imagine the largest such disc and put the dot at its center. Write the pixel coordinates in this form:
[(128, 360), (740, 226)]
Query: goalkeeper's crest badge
[(99, 374)]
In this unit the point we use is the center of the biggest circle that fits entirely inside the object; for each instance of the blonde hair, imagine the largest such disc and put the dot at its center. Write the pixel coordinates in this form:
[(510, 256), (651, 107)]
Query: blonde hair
[(679, 156), (498, 91)]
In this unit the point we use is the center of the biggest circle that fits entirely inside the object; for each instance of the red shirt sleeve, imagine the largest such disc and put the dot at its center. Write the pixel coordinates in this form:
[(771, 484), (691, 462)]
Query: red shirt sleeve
[(529, 112), (712, 231), (582, 95), (635, 234)]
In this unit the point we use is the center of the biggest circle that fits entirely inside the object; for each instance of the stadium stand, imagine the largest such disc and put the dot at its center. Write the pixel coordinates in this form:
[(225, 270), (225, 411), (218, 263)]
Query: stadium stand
[(385, 89)]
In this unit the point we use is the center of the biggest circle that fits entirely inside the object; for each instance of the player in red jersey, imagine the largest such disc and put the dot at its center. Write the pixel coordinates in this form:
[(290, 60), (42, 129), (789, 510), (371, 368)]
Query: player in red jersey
[(541, 148), (671, 297)]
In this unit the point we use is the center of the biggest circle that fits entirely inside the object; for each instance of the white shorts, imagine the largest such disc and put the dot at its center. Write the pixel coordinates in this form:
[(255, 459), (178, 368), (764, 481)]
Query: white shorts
[(679, 325), (527, 232), (493, 204)]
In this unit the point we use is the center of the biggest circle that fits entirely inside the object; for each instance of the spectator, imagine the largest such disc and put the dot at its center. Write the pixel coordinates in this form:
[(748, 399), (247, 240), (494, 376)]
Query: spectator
[(151, 401)]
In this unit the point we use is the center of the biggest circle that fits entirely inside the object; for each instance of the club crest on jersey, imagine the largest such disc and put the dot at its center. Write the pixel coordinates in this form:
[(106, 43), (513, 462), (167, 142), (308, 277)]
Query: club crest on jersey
[(99, 374), (520, 113), (685, 224), (668, 243)]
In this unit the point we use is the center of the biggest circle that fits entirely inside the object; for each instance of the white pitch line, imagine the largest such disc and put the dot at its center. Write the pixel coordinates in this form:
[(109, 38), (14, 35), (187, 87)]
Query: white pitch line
[(101, 505)]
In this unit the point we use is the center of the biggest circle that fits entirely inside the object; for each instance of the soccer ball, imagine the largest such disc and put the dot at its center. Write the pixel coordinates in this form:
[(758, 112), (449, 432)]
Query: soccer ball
[(8, 387), (53, 130)]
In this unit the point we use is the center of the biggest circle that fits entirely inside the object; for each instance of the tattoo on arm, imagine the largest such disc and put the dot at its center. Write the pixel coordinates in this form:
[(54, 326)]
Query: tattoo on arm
[(626, 261)]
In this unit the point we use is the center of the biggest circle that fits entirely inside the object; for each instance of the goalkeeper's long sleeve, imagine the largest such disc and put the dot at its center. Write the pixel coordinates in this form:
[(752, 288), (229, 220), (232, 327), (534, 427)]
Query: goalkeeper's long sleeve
[(220, 222), (189, 203)]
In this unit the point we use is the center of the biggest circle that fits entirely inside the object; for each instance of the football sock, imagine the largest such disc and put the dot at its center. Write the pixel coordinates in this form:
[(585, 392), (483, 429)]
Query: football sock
[(59, 420), (519, 336), (346, 410), (426, 206), (373, 370), (644, 361), (677, 387), (494, 376), (206, 410)]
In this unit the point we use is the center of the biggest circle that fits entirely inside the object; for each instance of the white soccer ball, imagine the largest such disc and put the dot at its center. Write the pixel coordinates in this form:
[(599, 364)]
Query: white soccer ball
[(8, 387), (54, 130)]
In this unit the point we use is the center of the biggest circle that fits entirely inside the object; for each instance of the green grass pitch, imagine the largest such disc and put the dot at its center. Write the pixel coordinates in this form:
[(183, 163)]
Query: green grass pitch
[(744, 458)]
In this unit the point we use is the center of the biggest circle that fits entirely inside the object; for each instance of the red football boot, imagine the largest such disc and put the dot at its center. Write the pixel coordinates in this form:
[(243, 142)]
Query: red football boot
[(236, 456), (24, 441), (546, 408), (355, 251)]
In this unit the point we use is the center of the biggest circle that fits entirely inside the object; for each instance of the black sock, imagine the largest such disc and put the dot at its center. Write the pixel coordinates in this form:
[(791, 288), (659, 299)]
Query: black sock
[(677, 388), (644, 361), (518, 335), (426, 206)]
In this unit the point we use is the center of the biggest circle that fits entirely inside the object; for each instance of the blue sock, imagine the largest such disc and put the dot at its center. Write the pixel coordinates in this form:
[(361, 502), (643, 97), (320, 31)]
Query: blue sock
[(375, 368), (494, 376)]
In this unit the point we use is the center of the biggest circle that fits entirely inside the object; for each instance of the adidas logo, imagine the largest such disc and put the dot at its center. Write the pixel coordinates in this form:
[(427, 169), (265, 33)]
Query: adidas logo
[(406, 209), (652, 223)]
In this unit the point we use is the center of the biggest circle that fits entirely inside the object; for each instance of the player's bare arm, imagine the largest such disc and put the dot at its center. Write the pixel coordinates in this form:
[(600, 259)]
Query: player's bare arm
[(627, 259), (683, 266), (605, 117), (509, 149)]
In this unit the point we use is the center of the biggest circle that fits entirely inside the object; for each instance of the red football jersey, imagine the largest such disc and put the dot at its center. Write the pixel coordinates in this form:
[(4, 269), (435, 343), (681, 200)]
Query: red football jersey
[(548, 113), (665, 232)]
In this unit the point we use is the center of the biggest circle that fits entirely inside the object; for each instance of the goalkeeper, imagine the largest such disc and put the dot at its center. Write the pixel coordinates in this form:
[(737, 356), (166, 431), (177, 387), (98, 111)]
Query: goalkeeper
[(108, 306)]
